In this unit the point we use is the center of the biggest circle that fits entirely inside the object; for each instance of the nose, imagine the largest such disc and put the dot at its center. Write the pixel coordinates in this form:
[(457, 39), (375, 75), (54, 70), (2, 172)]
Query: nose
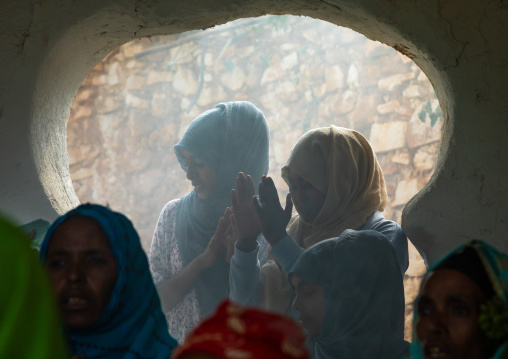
[(297, 194), (191, 173), (296, 304), (75, 274), (436, 324)]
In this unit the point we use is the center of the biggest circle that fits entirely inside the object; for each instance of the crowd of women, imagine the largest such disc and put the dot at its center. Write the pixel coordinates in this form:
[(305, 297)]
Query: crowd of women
[(233, 274)]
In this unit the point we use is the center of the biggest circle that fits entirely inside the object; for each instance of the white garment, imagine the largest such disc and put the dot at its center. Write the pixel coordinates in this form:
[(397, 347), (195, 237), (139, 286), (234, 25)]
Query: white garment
[(165, 262)]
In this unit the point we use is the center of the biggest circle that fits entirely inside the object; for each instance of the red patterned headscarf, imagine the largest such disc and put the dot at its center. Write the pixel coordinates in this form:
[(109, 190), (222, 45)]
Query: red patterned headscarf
[(234, 332)]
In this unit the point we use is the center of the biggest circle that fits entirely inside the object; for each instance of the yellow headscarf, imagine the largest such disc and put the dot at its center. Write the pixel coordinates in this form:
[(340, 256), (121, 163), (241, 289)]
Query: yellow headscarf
[(341, 164), (29, 324)]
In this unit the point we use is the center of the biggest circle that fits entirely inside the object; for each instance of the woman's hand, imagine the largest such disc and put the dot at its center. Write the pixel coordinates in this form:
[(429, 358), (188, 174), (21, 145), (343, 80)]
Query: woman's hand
[(217, 244), (231, 238), (272, 217), (245, 218), (173, 290)]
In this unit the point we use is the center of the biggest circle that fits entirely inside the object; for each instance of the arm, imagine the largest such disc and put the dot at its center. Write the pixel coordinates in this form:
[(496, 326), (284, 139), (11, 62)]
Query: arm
[(244, 273), (395, 235), (250, 218), (244, 277), (286, 252), (172, 290), (398, 241)]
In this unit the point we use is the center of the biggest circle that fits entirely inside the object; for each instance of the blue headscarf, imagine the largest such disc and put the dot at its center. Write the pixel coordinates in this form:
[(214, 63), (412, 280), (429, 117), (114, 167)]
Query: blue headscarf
[(364, 296), (495, 264), (132, 324), (231, 138)]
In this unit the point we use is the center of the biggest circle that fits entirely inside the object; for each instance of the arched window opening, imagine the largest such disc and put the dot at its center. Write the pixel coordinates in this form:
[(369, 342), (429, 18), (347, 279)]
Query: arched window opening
[(301, 72)]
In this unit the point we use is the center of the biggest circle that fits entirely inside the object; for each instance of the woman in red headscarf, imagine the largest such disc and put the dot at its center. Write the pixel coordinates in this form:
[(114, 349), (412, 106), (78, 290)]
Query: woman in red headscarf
[(237, 332)]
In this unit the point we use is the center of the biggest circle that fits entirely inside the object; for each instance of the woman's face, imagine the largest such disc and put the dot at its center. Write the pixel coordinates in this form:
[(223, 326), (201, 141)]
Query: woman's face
[(310, 304), (82, 271), (201, 176), (448, 310), (308, 200)]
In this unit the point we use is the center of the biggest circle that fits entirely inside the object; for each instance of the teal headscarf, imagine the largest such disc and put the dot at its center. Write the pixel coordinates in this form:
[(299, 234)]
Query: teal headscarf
[(360, 274), (132, 325), (495, 264), (233, 137)]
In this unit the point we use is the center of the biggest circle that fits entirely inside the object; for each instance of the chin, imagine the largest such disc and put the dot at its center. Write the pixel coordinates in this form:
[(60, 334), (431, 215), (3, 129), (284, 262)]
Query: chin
[(308, 218), (310, 333), (79, 323)]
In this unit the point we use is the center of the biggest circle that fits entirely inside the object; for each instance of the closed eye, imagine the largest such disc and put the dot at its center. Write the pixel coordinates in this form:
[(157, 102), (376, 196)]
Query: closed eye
[(97, 260), (424, 307), (307, 185), (57, 263), (459, 307)]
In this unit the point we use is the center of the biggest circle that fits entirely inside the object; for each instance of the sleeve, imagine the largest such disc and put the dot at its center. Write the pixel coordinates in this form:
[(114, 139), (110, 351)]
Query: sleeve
[(245, 277), (158, 257), (286, 252), (398, 240)]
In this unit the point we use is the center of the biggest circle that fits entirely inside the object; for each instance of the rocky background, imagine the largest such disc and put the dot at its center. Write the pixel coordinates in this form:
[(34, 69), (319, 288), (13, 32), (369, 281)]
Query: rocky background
[(301, 72)]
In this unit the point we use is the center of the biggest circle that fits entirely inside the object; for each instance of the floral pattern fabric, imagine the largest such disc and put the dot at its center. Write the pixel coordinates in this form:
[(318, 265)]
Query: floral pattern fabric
[(234, 332), (165, 262)]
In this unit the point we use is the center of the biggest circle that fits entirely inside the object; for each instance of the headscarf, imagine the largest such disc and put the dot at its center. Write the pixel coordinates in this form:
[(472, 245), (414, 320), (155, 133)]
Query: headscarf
[(487, 267), (231, 138), (341, 164), (132, 324), (29, 324), (364, 296), (235, 332)]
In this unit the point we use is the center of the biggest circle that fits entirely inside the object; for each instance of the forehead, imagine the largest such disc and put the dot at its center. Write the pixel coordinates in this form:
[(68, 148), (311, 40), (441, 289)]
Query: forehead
[(298, 282), (293, 176), (78, 233), (444, 283), (188, 156)]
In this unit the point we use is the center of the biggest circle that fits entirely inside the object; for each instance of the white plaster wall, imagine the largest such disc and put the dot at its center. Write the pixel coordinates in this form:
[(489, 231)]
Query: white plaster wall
[(47, 48)]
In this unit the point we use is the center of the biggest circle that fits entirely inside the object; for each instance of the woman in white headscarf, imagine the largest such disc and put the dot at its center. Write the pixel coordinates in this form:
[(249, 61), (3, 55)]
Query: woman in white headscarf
[(335, 183)]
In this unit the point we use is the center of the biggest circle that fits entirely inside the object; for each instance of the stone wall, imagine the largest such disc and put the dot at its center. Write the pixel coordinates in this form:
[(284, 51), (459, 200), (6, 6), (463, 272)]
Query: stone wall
[(302, 73)]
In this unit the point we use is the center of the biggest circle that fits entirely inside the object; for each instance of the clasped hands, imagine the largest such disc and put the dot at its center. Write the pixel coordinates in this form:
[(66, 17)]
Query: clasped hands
[(247, 218)]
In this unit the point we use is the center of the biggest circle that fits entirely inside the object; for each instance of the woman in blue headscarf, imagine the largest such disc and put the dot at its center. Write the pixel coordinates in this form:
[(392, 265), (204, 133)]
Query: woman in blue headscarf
[(190, 275), (103, 287), (350, 297), (462, 308)]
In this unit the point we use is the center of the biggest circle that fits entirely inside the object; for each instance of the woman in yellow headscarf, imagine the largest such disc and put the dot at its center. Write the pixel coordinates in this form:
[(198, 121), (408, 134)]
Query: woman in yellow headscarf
[(29, 324), (335, 183)]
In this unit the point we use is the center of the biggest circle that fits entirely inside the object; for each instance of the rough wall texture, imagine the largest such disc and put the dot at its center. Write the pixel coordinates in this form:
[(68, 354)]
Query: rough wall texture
[(301, 72), (47, 49)]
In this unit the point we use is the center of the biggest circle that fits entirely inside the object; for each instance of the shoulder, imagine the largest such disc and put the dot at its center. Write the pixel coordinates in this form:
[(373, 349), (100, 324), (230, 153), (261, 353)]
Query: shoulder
[(170, 207), (168, 214), (377, 222)]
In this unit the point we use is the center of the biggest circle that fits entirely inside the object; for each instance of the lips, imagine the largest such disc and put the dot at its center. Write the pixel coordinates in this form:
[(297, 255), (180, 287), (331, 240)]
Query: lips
[(436, 350), (303, 321), (76, 301), (196, 185)]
